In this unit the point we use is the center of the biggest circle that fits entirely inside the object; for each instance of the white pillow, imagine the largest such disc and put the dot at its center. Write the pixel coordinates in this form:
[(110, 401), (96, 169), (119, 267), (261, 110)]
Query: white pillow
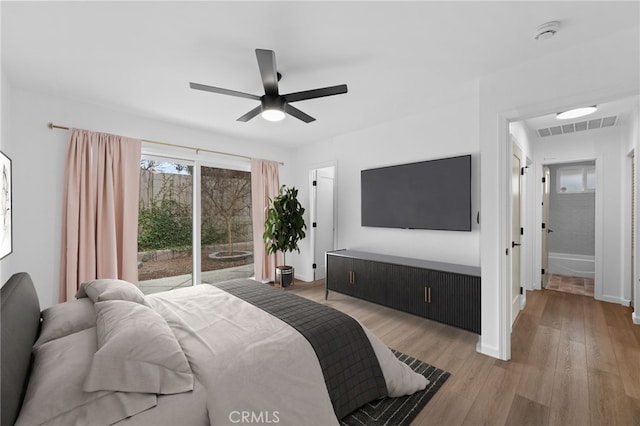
[(111, 289), (55, 395), (137, 352), (66, 318)]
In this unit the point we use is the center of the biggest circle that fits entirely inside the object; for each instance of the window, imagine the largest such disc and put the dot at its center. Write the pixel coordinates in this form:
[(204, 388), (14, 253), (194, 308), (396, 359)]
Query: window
[(575, 179)]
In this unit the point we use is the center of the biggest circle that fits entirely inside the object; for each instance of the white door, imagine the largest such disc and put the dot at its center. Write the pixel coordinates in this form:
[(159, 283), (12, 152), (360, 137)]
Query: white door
[(516, 185), (545, 226), (324, 217)]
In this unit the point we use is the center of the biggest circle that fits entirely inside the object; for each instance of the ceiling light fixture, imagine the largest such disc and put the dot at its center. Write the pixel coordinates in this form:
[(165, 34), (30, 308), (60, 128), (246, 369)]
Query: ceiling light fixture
[(576, 112), (273, 115), (272, 107), (546, 30)]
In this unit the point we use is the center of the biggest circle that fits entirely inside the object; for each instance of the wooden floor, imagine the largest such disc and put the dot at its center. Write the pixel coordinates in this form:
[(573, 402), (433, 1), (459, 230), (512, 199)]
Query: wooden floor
[(575, 361)]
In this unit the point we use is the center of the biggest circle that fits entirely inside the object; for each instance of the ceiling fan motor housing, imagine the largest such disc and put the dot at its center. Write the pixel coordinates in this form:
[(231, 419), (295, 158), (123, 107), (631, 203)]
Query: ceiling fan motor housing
[(272, 102)]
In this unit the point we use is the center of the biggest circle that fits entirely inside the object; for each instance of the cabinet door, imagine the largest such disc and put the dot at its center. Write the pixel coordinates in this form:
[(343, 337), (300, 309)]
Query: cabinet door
[(407, 290), (370, 280), (455, 300), (340, 274)]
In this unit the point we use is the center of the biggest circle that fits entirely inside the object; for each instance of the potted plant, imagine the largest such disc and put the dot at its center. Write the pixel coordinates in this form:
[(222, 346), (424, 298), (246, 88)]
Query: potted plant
[(284, 227)]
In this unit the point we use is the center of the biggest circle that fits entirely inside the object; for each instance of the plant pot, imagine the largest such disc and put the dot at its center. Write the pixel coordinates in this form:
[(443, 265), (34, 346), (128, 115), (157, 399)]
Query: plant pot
[(284, 276)]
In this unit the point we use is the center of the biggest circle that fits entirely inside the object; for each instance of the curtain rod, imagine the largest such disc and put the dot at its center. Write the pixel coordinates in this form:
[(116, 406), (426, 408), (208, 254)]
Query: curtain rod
[(56, 126)]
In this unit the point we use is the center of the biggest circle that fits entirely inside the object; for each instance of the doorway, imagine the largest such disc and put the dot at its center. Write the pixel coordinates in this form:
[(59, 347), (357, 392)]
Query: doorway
[(570, 227), (593, 138), (322, 217)]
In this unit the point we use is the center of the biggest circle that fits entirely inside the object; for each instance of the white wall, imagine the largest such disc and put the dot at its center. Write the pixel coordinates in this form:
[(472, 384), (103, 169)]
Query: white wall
[(4, 128), (447, 131), (4, 116), (607, 146), (38, 162)]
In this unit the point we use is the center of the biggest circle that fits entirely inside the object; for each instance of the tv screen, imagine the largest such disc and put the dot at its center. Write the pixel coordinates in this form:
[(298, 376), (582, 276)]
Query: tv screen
[(433, 194)]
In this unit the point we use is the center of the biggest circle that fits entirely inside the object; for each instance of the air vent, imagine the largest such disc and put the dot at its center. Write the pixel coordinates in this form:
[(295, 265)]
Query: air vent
[(595, 124), (609, 121), (578, 126), (544, 132)]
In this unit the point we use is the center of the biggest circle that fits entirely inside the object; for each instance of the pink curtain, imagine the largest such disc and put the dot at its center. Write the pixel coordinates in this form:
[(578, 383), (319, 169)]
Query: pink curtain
[(100, 211), (265, 184)]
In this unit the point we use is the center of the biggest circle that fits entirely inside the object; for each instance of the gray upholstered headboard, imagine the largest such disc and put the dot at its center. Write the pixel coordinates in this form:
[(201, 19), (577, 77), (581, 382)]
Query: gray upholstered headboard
[(20, 323)]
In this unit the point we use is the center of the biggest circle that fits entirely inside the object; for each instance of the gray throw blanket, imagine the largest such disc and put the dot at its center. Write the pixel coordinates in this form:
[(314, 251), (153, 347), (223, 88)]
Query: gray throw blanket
[(350, 367)]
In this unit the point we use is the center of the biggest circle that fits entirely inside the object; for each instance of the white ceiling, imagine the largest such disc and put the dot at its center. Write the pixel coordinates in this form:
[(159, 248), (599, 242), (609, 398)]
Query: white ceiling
[(397, 58)]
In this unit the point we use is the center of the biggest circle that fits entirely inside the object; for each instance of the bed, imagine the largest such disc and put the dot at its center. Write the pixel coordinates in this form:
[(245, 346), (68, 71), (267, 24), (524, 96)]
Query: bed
[(236, 352)]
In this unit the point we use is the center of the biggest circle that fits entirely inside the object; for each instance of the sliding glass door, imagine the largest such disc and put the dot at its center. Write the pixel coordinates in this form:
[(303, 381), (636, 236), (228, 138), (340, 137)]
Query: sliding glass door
[(165, 224), (194, 224), (226, 229)]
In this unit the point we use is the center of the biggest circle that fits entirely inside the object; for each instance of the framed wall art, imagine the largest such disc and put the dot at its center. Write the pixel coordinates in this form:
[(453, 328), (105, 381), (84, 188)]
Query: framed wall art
[(6, 208)]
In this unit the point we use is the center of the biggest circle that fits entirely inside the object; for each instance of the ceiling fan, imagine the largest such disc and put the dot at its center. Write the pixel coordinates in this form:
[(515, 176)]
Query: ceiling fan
[(273, 105)]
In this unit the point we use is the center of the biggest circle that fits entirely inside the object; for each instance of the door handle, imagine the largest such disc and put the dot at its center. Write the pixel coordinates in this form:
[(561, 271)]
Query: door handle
[(514, 244)]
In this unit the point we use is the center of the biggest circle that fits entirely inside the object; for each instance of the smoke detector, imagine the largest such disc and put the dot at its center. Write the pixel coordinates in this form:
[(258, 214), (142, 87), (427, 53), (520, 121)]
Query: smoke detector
[(546, 30)]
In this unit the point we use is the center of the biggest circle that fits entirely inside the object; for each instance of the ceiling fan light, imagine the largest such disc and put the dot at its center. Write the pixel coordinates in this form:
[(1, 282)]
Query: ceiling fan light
[(273, 115), (576, 112)]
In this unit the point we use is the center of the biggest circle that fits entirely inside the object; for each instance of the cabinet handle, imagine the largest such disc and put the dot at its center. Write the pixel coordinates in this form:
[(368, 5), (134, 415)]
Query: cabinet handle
[(354, 276), (427, 295)]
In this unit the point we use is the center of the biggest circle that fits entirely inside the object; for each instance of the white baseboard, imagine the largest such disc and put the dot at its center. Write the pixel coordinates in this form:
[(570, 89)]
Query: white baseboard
[(491, 351), (613, 299), (303, 277), (635, 318), (523, 303)]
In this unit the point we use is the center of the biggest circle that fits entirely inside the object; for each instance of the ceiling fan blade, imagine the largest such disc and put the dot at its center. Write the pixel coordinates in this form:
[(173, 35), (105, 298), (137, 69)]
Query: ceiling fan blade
[(298, 114), (268, 71), (223, 91), (248, 116), (316, 93)]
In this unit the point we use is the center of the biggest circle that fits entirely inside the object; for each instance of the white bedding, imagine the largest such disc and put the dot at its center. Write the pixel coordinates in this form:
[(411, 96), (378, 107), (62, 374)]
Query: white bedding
[(246, 365), (252, 362)]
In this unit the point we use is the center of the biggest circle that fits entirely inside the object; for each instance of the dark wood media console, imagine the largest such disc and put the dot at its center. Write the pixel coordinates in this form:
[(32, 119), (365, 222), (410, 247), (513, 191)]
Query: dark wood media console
[(444, 292)]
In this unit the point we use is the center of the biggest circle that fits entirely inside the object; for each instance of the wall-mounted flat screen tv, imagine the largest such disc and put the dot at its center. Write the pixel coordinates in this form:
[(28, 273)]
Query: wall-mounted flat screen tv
[(433, 194)]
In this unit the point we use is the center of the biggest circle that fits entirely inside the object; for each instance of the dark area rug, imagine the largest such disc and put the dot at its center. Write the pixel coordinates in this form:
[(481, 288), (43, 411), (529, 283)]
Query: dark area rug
[(400, 411)]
